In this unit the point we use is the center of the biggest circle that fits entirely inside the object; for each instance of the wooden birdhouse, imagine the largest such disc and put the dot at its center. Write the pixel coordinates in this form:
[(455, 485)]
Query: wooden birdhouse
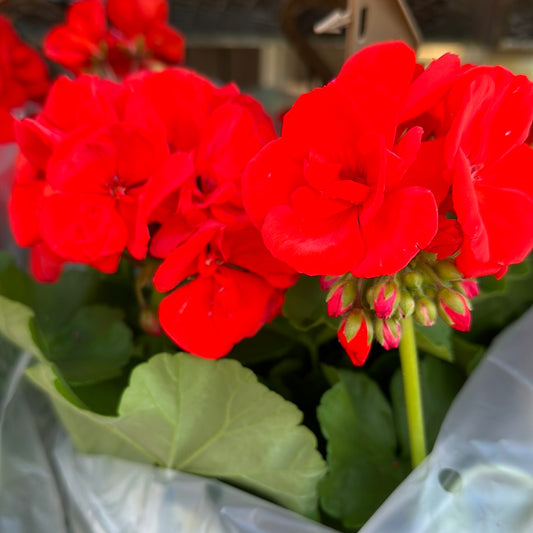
[(373, 21)]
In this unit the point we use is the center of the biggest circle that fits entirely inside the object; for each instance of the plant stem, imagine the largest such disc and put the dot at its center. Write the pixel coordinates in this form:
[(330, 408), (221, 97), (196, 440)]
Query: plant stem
[(411, 387)]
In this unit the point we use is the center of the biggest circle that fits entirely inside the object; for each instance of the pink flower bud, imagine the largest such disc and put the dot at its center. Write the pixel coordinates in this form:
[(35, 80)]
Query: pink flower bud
[(341, 297), (467, 287), (388, 333), (326, 282), (454, 309), (386, 298), (425, 312), (356, 334)]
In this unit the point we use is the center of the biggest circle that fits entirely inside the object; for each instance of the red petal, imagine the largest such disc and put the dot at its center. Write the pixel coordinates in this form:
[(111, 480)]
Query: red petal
[(448, 239), (387, 66), (165, 42), (270, 179), (182, 100), (45, 265), (467, 207), (405, 224), (174, 231), (24, 211), (7, 132), (85, 161), (133, 17), (314, 247), (507, 216), (82, 102), (429, 170), (429, 88), (229, 140), (177, 169), (87, 18), (245, 248), (178, 263), (508, 172), (36, 142), (209, 315), (82, 227)]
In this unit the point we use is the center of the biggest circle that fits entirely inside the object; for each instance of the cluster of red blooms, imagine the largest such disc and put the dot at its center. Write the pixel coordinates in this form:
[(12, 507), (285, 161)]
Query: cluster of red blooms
[(139, 37), (389, 160), (393, 183), (23, 78), (152, 167)]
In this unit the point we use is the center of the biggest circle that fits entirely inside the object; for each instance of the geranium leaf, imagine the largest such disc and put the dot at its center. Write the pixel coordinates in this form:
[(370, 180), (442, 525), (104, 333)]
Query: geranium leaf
[(496, 309), (210, 418), (15, 325), (305, 303), (92, 346), (363, 469), (435, 340), (440, 383)]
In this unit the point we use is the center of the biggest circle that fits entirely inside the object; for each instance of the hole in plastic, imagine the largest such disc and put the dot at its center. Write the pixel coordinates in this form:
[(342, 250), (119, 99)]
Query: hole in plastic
[(450, 480)]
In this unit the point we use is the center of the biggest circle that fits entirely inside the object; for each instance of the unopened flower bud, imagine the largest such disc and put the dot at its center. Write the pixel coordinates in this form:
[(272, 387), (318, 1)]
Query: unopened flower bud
[(149, 322), (388, 332), (454, 309), (467, 287), (430, 292), (326, 282), (356, 334), (385, 298), (447, 271), (425, 312), (412, 280), (341, 297), (407, 304)]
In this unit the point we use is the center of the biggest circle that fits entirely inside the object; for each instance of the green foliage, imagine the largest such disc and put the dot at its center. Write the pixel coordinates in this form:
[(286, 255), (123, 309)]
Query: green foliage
[(363, 468), (92, 346), (435, 340), (56, 322), (305, 304), (15, 325), (501, 302), (210, 418)]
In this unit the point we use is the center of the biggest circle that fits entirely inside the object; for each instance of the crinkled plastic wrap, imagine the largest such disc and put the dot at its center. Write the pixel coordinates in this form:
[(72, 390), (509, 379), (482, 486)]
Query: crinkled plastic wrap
[(479, 477), (47, 487)]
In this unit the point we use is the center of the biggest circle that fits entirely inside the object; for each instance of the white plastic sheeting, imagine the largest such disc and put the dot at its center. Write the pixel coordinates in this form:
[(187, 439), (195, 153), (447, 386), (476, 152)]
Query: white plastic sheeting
[(479, 477)]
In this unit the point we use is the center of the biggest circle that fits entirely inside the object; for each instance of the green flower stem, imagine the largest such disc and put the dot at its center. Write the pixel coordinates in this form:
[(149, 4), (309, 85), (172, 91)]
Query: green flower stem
[(413, 397)]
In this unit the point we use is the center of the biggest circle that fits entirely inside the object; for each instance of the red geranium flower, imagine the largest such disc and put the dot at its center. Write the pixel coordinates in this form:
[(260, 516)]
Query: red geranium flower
[(153, 166), (329, 196), (23, 77), (139, 34), (492, 112), (81, 40)]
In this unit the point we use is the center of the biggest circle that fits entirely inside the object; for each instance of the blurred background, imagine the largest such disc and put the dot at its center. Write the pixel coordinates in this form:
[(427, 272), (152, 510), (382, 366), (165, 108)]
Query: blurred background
[(272, 49)]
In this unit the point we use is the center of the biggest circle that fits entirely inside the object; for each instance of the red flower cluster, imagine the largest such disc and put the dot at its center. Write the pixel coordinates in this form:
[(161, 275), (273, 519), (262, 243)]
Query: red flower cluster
[(152, 167), (389, 159), (139, 36), (23, 77)]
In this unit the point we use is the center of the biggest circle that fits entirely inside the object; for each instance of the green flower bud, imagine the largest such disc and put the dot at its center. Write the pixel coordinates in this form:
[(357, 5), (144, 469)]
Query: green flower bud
[(425, 312)]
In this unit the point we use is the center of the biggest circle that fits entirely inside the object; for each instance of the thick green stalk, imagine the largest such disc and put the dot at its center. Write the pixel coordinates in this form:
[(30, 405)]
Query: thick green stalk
[(413, 397)]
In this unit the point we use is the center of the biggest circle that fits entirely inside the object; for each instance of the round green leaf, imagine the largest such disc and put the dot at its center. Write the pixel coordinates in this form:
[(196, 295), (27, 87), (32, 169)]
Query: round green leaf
[(363, 468), (211, 418)]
